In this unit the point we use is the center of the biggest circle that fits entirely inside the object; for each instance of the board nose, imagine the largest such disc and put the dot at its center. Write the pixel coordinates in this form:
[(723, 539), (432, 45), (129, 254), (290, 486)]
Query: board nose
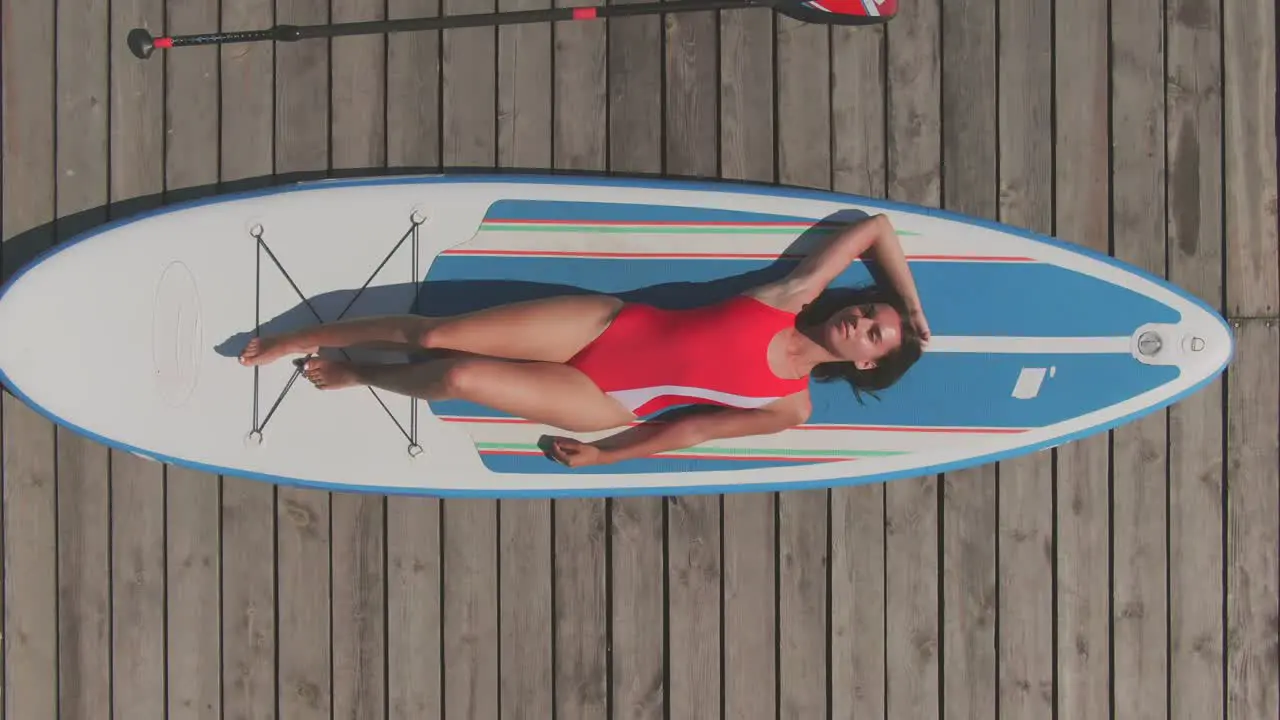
[(1200, 344)]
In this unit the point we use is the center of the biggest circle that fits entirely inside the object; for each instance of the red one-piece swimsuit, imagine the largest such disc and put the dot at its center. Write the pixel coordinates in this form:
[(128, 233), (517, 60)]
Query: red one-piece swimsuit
[(651, 358)]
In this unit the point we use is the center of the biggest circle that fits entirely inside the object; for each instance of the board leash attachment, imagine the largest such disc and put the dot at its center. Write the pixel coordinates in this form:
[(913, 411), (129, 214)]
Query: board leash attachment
[(826, 12)]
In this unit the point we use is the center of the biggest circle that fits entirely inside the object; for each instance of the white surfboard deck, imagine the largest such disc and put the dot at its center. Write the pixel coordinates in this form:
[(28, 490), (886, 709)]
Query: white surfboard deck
[(128, 334)]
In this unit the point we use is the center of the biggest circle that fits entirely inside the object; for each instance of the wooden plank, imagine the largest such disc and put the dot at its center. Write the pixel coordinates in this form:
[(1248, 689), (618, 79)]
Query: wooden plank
[(470, 527), (914, 137), (358, 569), (636, 530), (1253, 400), (467, 71), (1024, 655), (247, 80), (748, 524), (1081, 168), (469, 567), (1139, 489), (638, 587), (693, 523), (1194, 182), (358, 101), (578, 85), (970, 148), (83, 485), (249, 532), (413, 88), (359, 606), (27, 210), (137, 587), (804, 140), (414, 579), (693, 607), (1249, 42), (524, 95), (137, 485), (303, 604), (193, 643), (304, 523), (526, 667), (302, 109), (415, 668), (1253, 520), (635, 78), (579, 141)]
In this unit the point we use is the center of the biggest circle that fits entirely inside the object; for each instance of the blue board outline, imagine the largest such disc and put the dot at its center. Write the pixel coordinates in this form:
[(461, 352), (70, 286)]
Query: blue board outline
[(675, 184)]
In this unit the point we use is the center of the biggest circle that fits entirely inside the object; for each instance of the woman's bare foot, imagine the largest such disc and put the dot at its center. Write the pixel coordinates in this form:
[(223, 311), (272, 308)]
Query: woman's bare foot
[(330, 374), (261, 351)]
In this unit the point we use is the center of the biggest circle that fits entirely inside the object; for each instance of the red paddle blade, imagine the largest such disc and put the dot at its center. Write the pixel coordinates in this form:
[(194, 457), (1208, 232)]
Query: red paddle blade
[(839, 12)]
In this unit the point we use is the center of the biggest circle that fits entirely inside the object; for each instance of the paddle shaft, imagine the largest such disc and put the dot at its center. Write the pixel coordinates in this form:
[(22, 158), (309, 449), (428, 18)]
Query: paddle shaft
[(142, 44)]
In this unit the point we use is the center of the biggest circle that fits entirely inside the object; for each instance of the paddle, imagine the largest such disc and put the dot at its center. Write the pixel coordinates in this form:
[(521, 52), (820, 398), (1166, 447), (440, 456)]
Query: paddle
[(831, 12)]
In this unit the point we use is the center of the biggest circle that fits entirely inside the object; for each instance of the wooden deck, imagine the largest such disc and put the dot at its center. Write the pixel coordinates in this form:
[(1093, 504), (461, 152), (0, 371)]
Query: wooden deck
[(1134, 575)]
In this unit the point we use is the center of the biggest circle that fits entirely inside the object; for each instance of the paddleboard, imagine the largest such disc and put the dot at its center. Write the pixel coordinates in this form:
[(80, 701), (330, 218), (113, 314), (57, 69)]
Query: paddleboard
[(128, 334)]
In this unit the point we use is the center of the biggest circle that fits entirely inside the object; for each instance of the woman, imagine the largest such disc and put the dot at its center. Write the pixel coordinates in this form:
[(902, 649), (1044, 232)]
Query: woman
[(590, 363)]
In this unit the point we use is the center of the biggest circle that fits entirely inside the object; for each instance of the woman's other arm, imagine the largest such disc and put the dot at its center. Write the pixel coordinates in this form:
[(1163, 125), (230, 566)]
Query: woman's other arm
[(685, 432)]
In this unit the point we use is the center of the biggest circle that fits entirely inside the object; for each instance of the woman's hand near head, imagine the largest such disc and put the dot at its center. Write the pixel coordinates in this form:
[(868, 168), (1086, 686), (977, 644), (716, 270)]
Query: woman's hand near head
[(918, 320)]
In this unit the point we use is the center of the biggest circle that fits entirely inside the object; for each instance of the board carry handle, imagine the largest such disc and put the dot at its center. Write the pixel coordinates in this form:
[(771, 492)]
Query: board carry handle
[(832, 12)]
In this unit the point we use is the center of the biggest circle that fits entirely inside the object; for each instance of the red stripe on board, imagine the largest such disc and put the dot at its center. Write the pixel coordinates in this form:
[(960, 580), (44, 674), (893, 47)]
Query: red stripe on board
[(705, 256), (868, 428), (690, 457)]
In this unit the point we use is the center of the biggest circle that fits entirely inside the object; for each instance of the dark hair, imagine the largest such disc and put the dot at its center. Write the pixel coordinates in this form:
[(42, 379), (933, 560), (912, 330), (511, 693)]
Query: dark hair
[(888, 369)]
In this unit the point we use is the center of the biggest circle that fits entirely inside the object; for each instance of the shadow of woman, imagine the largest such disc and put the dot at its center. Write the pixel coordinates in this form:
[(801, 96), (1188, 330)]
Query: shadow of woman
[(454, 297)]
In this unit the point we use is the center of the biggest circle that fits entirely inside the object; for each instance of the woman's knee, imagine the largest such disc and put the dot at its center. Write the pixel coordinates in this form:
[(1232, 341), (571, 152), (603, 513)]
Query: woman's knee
[(459, 378)]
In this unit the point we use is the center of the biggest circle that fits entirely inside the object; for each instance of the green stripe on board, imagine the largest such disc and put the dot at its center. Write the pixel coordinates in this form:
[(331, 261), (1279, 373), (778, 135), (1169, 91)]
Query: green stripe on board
[(744, 452)]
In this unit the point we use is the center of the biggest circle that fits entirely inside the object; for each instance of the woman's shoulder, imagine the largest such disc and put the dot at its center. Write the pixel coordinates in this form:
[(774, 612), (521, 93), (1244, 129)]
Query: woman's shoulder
[(778, 296)]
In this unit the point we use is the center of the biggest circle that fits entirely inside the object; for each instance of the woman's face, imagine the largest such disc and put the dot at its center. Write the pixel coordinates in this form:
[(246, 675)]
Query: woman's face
[(862, 334)]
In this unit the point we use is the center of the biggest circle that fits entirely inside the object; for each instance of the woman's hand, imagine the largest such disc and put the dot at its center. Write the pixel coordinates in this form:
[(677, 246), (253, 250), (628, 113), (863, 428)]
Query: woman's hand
[(921, 325), (575, 454)]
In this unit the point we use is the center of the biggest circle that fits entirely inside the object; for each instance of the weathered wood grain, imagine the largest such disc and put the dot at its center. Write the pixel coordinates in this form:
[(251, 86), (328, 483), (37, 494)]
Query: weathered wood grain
[(1082, 187), (1140, 479), (27, 453), (749, 520), (694, 568), (1253, 524), (414, 592), (357, 106), (970, 185), (194, 631), (804, 159), (137, 143), (1249, 149), (1025, 539), (638, 583), (912, 505), (304, 522), (857, 673), (414, 66), (1193, 102), (83, 473), (581, 541), (1253, 401), (249, 549)]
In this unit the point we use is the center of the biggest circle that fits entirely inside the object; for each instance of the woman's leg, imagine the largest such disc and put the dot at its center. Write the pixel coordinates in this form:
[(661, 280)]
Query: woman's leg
[(542, 392), (550, 330)]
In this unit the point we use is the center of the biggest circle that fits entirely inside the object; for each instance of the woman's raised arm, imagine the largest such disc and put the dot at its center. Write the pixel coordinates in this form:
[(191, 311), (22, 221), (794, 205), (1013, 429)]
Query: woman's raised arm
[(874, 235)]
